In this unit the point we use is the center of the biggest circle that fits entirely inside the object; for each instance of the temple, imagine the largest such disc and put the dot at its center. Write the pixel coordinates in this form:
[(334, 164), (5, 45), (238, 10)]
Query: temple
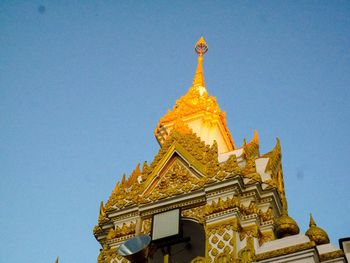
[(231, 199)]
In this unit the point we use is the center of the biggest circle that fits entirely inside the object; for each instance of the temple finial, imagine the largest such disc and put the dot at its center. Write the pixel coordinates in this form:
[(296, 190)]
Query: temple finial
[(256, 137), (312, 221), (201, 48)]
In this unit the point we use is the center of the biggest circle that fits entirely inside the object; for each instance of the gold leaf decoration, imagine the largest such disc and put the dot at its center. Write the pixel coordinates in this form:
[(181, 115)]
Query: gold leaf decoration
[(250, 209), (285, 251), (124, 230), (177, 180), (266, 216), (196, 213), (106, 254), (221, 244)]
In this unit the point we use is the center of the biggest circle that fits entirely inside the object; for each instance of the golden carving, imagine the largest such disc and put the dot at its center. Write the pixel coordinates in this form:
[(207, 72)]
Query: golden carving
[(247, 254), (196, 213), (221, 205), (274, 168), (221, 244), (285, 251), (195, 101), (270, 183), (145, 170), (181, 134), (133, 179), (177, 180), (226, 237), (266, 216), (201, 48), (250, 231), (316, 233), (285, 225), (223, 258), (102, 216), (265, 237), (127, 192), (215, 232), (249, 171), (97, 230), (146, 226), (106, 254), (251, 149), (215, 239), (124, 230), (332, 255), (231, 166), (211, 159), (214, 252), (250, 209)]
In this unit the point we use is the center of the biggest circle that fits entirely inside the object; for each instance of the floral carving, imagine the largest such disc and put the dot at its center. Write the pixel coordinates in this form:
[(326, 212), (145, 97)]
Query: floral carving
[(124, 230), (107, 254), (177, 180), (250, 209), (265, 237), (221, 205), (196, 213), (266, 216)]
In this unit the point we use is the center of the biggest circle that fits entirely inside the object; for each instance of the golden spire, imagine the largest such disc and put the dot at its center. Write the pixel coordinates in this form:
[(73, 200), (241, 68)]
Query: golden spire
[(201, 48), (316, 233), (312, 221), (285, 225), (198, 110)]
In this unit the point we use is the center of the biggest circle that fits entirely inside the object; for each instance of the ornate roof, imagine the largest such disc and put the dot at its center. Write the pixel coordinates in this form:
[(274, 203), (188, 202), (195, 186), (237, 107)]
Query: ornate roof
[(196, 101), (243, 192)]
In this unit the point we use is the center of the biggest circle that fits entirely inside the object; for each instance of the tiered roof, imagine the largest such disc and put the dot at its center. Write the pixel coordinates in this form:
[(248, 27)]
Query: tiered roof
[(186, 164)]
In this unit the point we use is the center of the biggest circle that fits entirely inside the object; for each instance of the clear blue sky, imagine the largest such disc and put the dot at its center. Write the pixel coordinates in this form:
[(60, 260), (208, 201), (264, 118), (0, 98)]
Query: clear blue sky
[(84, 83)]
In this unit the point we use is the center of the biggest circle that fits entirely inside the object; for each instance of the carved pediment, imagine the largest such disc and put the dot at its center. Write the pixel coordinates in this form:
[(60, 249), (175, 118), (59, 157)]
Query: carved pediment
[(175, 179)]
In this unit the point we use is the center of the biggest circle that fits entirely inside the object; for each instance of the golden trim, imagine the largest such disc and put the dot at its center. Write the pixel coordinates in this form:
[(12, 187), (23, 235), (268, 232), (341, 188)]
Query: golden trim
[(332, 255), (285, 251)]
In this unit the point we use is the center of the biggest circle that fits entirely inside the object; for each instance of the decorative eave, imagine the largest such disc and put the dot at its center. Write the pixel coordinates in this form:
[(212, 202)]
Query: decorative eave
[(275, 157), (251, 149), (182, 142)]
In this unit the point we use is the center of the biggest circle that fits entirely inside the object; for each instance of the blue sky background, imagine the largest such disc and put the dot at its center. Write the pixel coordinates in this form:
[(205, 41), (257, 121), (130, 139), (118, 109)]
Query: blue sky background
[(84, 83)]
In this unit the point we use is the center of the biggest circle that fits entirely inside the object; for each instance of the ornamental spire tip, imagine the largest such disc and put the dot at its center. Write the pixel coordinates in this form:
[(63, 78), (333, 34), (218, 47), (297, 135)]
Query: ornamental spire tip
[(201, 48)]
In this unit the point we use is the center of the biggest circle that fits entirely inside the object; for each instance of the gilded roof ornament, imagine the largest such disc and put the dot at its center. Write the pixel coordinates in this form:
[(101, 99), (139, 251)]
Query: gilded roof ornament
[(251, 149), (196, 103), (284, 224), (201, 48), (316, 233)]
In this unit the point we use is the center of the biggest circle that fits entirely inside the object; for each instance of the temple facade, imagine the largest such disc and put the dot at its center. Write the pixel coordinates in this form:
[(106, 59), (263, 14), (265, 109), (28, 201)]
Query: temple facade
[(232, 199)]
